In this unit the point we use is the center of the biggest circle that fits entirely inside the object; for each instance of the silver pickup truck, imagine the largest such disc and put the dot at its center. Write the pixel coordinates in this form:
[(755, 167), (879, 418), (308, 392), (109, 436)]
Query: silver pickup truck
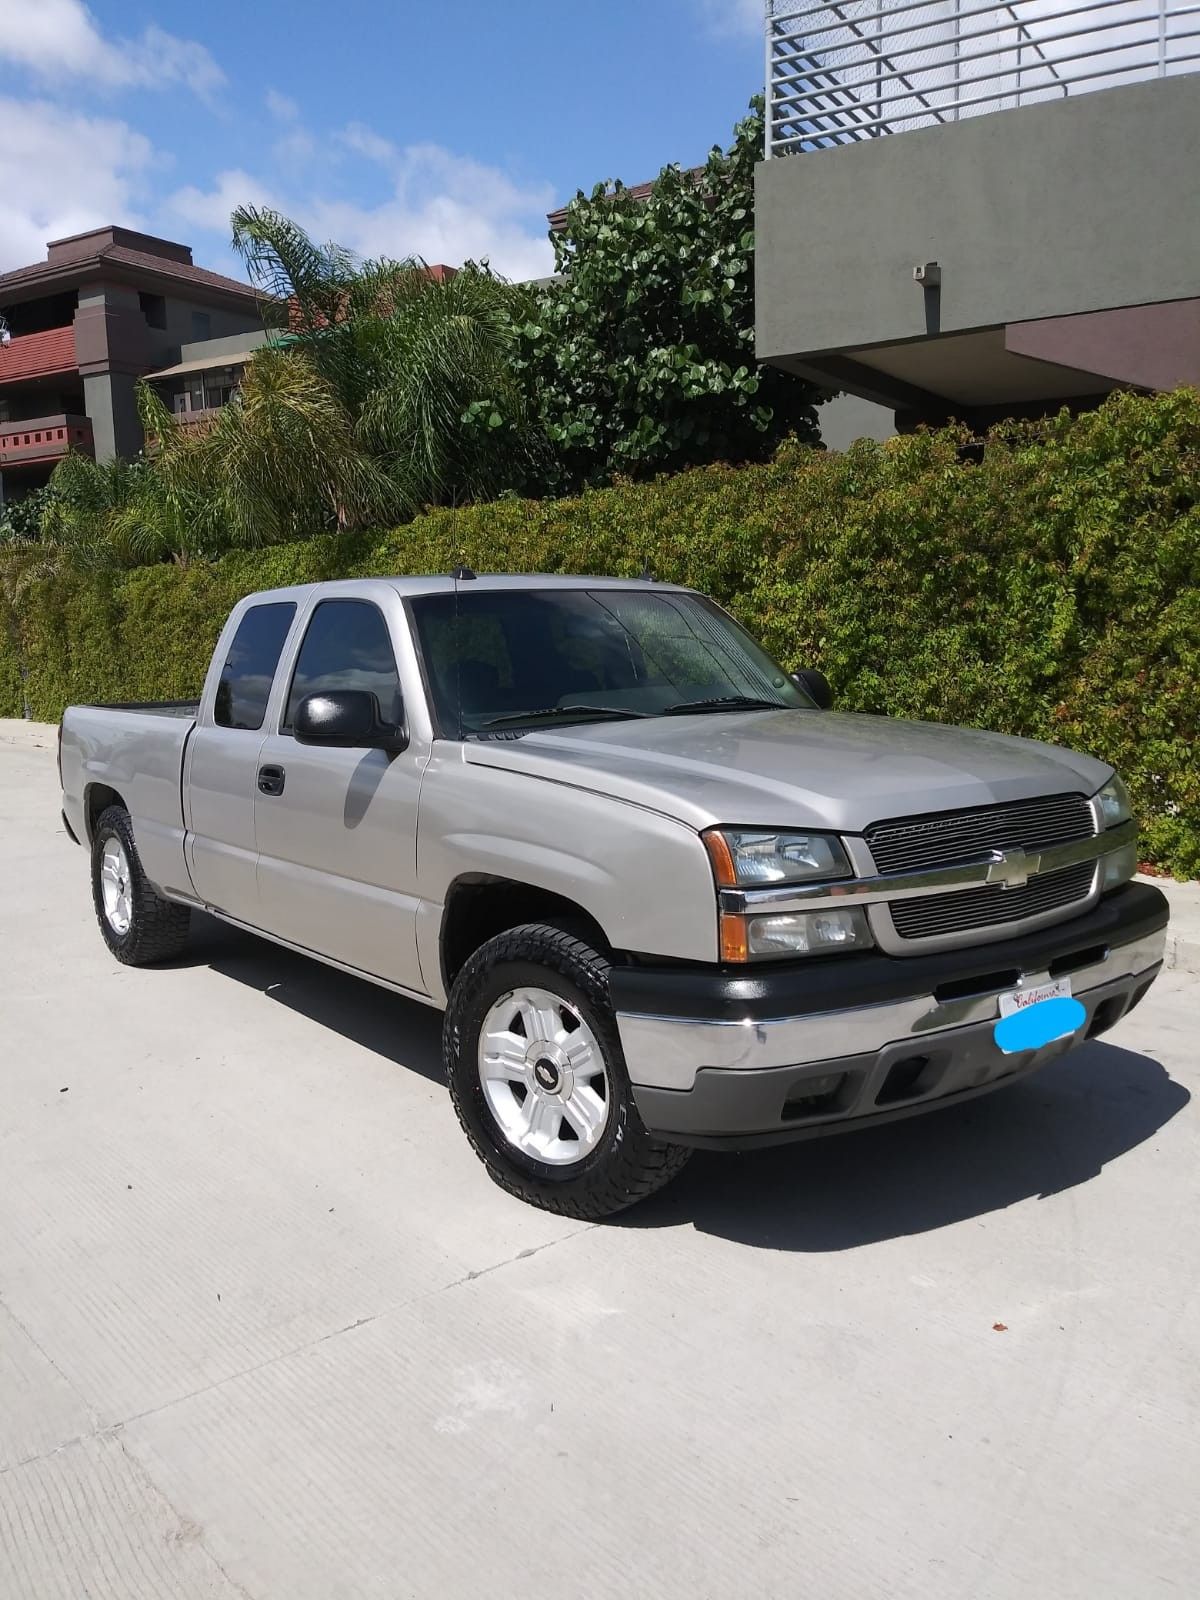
[(664, 895)]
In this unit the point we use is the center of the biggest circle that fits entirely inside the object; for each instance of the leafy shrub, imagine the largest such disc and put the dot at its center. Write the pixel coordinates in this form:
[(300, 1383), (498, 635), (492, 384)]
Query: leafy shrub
[(638, 356), (1046, 584)]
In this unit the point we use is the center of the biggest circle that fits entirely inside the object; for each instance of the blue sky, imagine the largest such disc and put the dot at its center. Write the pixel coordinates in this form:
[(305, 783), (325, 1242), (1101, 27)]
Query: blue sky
[(394, 127)]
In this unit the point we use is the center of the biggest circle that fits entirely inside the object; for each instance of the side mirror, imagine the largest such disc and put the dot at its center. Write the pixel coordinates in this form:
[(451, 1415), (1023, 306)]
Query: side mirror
[(347, 719), (816, 685)]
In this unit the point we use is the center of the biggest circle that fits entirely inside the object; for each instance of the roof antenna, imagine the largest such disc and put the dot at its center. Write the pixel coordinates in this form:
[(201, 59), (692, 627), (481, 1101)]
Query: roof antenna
[(647, 575)]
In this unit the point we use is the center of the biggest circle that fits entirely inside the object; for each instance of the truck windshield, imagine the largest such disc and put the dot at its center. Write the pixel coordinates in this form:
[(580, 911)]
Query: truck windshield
[(545, 657)]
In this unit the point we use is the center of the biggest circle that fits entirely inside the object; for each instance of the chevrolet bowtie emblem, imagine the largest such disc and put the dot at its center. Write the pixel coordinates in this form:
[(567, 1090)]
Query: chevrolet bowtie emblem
[(1012, 869)]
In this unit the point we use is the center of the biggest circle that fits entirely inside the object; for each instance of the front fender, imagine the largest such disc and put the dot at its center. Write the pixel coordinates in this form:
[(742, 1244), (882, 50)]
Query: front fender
[(643, 877)]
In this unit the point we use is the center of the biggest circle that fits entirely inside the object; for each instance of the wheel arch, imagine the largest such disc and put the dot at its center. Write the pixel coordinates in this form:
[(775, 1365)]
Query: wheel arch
[(97, 798), (480, 905)]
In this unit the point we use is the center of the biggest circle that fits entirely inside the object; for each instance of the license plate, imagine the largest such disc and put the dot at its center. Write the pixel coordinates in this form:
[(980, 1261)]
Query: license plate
[(1019, 999)]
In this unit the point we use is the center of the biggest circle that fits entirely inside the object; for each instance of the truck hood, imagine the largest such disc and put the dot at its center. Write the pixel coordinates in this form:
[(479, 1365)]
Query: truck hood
[(812, 769)]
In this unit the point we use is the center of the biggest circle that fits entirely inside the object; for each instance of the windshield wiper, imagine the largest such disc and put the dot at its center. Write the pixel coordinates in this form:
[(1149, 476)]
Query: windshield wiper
[(546, 712), (725, 702)]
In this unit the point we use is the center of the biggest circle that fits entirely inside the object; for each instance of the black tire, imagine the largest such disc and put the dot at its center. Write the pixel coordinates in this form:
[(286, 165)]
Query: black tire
[(628, 1163), (158, 928)]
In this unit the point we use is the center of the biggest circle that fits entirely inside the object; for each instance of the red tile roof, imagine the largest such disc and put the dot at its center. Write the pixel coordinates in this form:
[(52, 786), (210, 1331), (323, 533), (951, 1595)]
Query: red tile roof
[(38, 355)]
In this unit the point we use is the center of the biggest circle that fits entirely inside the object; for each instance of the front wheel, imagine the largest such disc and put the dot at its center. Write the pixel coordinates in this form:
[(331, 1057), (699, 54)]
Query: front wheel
[(538, 1079)]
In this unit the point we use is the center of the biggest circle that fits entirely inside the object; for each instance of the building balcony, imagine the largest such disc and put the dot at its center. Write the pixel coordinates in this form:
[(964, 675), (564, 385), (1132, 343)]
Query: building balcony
[(38, 355), (962, 226), (846, 70), (39, 440)]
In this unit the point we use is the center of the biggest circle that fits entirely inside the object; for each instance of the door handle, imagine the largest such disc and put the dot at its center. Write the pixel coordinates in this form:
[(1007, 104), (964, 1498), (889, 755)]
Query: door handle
[(271, 780)]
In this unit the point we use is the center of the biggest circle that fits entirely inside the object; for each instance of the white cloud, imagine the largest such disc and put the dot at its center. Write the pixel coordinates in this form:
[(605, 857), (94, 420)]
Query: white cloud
[(281, 106), (211, 209), (365, 141), (294, 149), (734, 16), (64, 173), (440, 206), (57, 40), (295, 146)]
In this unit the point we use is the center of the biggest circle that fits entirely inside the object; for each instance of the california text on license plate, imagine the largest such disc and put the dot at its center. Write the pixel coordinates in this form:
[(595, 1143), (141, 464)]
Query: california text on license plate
[(1019, 999)]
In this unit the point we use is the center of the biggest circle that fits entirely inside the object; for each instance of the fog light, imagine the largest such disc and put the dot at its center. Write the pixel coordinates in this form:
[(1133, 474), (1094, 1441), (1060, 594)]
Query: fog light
[(816, 1088), (802, 933), (1119, 866)]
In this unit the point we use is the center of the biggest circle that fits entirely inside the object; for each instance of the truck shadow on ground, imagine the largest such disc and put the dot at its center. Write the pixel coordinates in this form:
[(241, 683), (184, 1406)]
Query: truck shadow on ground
[(1037, 1138), (400, 1030)]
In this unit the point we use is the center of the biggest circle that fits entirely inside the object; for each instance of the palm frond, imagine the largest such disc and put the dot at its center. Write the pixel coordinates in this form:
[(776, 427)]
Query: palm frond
[(304, 285)]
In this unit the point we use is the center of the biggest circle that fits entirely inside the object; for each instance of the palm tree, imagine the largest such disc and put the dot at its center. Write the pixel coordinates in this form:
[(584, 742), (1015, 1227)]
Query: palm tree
[(281, 460), (422, 362), (107, 514)]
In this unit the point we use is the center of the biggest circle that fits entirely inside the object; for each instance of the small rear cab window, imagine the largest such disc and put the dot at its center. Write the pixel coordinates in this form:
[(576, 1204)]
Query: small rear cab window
[(249, 671)]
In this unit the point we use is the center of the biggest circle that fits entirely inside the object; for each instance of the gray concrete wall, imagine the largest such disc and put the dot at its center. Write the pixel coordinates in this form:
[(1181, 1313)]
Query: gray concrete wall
[(235, 346), (110, 400), (847, 418), (1076, 205), (225, 323)]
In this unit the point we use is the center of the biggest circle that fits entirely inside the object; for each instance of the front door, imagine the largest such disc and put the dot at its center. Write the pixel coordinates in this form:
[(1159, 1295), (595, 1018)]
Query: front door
[(221, 771), (337, 829)]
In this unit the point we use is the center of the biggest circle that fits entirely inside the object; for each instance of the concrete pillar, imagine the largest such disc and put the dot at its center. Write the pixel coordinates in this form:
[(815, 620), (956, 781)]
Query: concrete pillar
[(111, 347), (110, 402)]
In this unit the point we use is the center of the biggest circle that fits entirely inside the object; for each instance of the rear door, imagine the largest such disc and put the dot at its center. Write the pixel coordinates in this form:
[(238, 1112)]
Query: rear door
[(221, 770), (337, 829)]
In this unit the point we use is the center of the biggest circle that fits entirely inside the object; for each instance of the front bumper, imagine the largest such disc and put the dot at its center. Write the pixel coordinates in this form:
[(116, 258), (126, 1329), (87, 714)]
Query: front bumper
[(724, 1056)]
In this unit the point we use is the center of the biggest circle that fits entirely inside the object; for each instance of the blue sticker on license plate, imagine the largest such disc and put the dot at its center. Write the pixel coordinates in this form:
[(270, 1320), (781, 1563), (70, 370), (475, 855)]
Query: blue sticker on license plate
[(1039, 1024)]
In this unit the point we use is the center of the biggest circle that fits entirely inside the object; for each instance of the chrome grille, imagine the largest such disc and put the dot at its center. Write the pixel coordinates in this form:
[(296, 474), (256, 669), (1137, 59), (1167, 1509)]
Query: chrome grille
[(931, 915), (911, 843)]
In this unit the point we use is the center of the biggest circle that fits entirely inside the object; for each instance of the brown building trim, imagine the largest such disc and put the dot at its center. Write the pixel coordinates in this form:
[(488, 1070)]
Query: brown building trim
[(1150, 346), (120, 255)]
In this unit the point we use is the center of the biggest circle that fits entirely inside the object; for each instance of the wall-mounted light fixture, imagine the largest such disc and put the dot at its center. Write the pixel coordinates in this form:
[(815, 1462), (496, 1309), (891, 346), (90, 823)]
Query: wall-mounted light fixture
[(928, 274)]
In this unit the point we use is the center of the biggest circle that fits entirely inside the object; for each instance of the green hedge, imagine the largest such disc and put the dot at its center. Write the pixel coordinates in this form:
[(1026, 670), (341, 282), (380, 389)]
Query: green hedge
[(1046, 583)]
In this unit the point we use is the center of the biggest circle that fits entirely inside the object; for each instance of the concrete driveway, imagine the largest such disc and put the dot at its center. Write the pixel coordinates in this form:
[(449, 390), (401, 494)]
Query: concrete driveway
[(267, 1332)]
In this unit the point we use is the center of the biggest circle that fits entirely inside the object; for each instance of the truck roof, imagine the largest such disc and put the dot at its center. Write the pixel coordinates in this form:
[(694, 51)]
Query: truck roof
[(443, 583)]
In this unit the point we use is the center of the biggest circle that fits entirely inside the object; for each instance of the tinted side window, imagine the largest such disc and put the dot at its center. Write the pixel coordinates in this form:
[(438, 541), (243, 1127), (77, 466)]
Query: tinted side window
[(347, 646), (245, 684)]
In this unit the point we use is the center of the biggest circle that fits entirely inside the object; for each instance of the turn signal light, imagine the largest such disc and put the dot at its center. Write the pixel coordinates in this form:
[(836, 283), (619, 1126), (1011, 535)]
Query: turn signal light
[(735, 942)]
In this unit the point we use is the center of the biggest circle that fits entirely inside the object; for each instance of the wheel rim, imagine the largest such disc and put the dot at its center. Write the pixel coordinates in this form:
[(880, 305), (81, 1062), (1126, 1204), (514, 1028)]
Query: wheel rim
[(115, 887), (543, 1076)]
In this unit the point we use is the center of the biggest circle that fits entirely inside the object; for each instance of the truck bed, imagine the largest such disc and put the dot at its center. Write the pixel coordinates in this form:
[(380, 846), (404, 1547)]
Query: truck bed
[(135, 753), (187, 709)]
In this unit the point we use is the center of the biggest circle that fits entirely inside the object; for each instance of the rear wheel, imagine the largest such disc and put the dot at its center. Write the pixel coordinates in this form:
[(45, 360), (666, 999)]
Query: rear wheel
[(137, 924), (538, 1079)]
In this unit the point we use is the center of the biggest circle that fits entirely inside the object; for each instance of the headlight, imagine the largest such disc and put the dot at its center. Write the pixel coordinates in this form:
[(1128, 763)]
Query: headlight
[(807, 933), (1113, 801), (745, 859), (750, 858)]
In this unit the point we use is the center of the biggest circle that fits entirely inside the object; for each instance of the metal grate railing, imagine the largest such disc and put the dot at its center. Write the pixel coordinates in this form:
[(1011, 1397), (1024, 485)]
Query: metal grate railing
[(843, 70)]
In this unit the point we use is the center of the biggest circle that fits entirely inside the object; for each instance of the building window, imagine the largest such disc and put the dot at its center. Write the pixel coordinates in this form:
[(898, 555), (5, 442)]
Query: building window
[(154, 309), (219, 385), (201, 325)]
